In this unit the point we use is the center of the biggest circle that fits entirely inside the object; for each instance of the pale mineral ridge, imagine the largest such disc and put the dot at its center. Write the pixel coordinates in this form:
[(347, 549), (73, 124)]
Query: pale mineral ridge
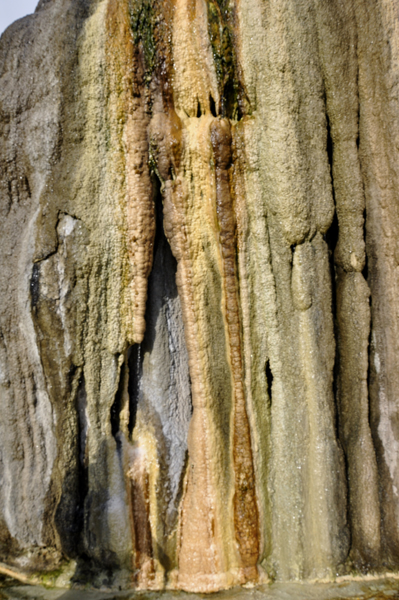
[(199, 298)]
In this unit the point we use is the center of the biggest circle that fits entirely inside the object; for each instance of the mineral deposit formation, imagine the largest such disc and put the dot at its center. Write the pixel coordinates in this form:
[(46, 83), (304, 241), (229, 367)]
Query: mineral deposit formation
[(199, 304)]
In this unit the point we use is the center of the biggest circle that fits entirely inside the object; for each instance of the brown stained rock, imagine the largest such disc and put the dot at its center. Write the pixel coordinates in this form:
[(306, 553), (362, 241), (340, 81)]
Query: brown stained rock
[(199, 285), (245, 503)]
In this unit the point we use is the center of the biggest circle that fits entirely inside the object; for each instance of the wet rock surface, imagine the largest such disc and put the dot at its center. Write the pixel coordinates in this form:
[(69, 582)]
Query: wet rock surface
[(366, 590), (199, 293)]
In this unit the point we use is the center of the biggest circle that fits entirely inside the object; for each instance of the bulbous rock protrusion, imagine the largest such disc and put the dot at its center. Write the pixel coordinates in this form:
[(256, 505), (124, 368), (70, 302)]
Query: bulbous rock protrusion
[(165, 133), (221, 143)]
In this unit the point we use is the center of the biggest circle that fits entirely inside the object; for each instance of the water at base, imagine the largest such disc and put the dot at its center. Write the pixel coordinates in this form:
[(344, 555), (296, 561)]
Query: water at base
[(366, 589)]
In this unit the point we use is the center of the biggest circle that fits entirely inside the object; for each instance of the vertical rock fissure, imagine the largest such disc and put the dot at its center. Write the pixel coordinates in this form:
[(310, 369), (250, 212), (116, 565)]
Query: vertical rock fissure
[(127, 395), (212, 105), (35, 285), (117, 406), (331, 238), (69, 514), (365, 273), (269, 381), (337, 272), (83, 477), (81, 405), (134, 359)]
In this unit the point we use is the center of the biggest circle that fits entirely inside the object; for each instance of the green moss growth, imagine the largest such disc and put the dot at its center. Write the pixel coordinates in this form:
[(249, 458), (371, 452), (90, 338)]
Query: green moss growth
[(233, 102), (49, 578), (142, 20)]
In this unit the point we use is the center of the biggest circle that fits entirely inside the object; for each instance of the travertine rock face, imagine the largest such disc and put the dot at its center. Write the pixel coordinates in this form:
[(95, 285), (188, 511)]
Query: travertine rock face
[(199, 315)]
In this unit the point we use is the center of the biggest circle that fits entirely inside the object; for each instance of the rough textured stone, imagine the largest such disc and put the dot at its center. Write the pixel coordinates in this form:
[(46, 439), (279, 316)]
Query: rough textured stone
[(199, 291)]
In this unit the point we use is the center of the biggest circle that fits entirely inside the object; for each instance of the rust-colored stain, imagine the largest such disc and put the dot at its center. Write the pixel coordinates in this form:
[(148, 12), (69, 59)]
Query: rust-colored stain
[(245, 506), (140, 502)]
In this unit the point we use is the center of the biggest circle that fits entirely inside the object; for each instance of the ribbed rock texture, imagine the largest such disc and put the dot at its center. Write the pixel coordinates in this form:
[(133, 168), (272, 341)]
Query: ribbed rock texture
[(199, 310)]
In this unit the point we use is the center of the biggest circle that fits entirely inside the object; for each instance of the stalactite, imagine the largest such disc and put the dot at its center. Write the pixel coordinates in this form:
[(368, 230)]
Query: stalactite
[(245, 504)]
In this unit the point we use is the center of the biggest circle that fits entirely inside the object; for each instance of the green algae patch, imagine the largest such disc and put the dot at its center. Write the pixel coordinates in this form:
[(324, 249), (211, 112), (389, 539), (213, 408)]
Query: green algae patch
[(142, 20), (234, 103)]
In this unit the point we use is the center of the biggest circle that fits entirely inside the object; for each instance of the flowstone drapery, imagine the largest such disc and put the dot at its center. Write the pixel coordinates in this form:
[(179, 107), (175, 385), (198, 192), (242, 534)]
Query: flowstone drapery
[(199, 335)]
